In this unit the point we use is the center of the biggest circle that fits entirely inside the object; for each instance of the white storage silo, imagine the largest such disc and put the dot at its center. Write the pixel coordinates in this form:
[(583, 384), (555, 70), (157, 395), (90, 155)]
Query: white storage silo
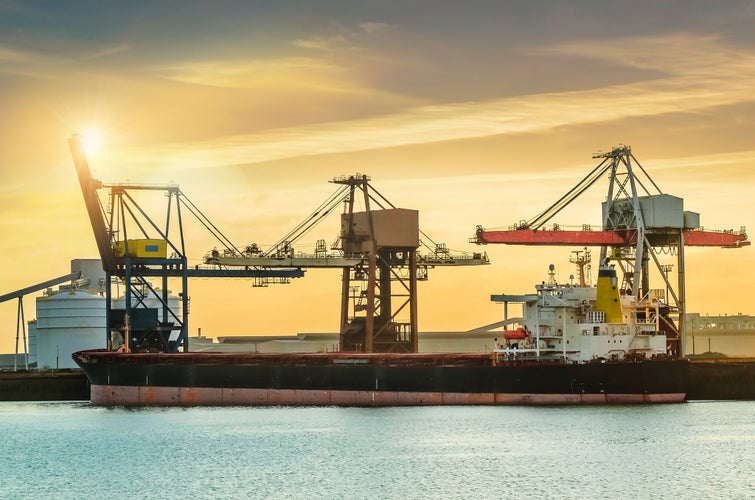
[(31, 328), (68, 321)]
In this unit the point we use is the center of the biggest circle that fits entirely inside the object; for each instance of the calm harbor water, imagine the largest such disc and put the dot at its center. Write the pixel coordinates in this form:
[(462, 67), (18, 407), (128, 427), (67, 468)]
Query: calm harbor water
[(73, 450)]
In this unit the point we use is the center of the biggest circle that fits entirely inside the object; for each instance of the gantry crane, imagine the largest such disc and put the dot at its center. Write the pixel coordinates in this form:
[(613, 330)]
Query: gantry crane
[(639, 221), (377, 251), (133, 247)]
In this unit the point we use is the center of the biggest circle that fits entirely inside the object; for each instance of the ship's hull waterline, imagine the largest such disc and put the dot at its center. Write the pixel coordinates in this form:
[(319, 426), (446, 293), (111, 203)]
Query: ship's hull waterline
[(343, 379)]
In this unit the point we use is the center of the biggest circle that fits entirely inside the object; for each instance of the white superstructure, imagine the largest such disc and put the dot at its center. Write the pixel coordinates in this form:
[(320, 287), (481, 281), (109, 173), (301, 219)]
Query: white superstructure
[(583, 323)]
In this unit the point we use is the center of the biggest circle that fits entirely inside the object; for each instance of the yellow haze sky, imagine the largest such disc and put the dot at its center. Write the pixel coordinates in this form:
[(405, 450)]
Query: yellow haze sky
[(482, 114)]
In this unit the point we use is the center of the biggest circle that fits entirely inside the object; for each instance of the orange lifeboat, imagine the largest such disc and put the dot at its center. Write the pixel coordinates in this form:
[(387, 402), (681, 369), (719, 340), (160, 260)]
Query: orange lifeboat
[(517, 334)]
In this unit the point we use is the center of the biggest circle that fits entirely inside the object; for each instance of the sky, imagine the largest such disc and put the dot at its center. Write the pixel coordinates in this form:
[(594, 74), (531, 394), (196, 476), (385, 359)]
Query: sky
[(474, 113)]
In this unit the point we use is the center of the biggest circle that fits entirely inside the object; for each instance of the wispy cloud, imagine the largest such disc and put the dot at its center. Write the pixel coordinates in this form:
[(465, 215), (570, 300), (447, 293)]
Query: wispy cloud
[(679, 54), (107, 51), (720, 160), (567, 175), (371, 27), (344, 37), (702, 73), (319, 43), (7, 54), (277, 74), (46, 62)]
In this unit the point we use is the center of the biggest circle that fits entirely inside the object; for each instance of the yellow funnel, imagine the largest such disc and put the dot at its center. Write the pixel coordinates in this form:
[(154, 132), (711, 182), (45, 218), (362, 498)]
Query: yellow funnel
[(608, 300)]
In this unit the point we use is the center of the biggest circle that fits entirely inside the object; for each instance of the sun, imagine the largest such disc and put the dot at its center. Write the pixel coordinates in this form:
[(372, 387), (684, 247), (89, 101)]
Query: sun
[(91, 140)]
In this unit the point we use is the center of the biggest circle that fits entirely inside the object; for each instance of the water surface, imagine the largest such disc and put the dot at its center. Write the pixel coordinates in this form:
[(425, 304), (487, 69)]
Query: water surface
[(74, 450)]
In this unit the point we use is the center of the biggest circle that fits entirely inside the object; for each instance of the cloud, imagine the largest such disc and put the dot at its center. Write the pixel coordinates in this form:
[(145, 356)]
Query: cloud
[(719, 160), (320, 43), (45, 63), (20, 62), (7, 54), (107, 51), (702, 74), (344, 37), (277, 74), (675, 54), (372, 27)]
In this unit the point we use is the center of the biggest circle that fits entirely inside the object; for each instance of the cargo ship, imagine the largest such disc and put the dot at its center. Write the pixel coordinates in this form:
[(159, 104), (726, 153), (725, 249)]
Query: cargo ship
[(576, 345), (357, 379)]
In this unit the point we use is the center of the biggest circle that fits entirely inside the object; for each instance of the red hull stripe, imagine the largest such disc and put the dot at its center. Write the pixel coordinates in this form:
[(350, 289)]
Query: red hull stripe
[(109, 395)]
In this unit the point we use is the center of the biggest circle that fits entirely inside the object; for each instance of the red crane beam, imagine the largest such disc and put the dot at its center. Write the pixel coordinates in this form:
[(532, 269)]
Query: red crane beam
[(550, 237), (723, 239), (697, 238)]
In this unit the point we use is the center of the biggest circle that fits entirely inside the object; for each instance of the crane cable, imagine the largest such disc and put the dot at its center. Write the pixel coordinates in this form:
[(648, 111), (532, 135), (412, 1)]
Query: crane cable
[(312, 220), (590, 179), (202, 218)]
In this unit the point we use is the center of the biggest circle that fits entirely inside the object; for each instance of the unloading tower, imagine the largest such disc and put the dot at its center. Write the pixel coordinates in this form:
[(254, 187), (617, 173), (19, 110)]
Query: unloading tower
[(639, 222), (389, 239)]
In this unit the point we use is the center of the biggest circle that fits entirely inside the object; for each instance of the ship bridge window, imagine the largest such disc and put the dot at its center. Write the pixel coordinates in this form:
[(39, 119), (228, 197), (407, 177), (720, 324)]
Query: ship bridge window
[(596, 330)]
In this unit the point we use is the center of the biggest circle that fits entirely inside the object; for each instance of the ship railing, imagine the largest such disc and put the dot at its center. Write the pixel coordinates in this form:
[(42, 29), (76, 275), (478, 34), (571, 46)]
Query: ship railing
[(509, 354), (509, 350)]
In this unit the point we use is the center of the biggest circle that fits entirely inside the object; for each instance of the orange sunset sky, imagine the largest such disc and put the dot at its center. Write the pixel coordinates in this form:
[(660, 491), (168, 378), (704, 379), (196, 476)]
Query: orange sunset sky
[(473, 113)]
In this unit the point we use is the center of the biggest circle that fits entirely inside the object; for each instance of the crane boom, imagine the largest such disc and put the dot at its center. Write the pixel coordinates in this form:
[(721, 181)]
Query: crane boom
[(548, 237), (339, 262), (89, 187), (692, 237)]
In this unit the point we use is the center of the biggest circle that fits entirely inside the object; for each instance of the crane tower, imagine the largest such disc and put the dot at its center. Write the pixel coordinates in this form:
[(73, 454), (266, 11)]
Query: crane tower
[(135, 248), (639, 222), (377, 253), (389, 239)]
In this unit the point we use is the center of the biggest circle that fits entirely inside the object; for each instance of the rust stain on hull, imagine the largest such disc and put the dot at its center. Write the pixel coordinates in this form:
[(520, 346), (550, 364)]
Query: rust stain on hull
[(202, 396)]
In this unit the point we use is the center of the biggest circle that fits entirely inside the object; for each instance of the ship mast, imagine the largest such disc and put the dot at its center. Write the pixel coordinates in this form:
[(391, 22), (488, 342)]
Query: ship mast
[(582, 259)]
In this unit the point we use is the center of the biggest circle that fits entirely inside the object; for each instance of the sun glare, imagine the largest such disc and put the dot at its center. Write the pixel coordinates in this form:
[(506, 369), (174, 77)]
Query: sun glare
[(91, 141)]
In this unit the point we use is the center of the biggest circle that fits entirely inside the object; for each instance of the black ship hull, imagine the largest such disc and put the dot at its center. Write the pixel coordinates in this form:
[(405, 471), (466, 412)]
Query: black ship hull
[(52, 385), (340, 379)]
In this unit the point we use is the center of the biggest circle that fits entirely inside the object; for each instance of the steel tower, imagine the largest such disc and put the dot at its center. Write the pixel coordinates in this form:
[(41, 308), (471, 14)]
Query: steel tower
[(639, 222)]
